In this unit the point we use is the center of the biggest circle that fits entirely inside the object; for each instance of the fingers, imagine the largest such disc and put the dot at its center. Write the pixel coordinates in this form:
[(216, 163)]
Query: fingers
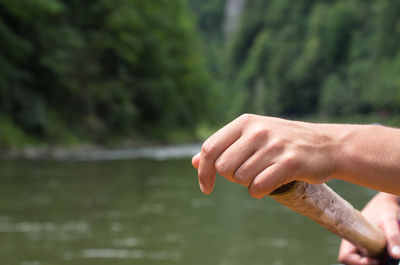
[(356, 259), (267, 181), (212, 148), (255, 164), (392, 233), (231, 159), (349, 255), (196, 161), (234, 145)]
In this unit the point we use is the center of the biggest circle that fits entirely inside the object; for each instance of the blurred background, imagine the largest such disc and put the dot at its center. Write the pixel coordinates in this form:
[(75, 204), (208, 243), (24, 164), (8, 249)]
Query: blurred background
[(87, 86)]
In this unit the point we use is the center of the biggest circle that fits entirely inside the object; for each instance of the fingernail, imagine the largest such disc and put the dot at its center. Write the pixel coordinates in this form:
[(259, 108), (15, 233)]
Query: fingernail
[(395, 250)]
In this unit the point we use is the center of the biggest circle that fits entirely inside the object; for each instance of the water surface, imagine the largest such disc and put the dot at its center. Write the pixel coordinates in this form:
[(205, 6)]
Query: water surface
[(149, 212)]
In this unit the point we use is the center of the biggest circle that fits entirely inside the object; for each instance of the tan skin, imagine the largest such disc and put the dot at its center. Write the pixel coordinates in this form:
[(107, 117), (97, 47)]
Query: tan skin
[(263, 153), (383, 211)]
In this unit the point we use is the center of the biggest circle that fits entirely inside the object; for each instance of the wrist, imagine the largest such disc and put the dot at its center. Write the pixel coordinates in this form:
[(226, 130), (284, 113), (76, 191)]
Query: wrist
[(350, 153), (339, 136), (367, 156)]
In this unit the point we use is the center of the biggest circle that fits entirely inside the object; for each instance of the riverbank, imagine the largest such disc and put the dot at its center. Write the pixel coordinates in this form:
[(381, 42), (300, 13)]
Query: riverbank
[(160, 143), (97, 153), (174, 143)]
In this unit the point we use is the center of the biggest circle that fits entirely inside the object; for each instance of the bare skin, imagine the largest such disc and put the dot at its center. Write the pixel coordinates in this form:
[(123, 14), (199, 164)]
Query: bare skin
[(263, 153), (383, 211)]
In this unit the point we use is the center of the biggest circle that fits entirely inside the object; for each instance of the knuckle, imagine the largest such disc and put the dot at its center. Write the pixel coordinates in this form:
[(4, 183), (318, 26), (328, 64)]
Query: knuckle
[(242, 178), (255, 190), (276, 145), (208, 147), (245, 118), (258, 135), (222, 167), (290, 161)]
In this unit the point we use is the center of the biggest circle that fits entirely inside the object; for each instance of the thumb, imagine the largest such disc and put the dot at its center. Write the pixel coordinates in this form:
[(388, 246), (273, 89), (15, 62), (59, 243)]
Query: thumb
[(196, 161), (392, 232)]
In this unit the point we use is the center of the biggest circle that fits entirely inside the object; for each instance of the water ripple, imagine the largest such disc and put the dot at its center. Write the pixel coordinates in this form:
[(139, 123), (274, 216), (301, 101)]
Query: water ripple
[(157, 153), (117, 253), (28, 227)]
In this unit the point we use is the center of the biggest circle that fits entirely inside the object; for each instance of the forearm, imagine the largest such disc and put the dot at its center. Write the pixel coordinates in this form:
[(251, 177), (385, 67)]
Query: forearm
[(369, 155)]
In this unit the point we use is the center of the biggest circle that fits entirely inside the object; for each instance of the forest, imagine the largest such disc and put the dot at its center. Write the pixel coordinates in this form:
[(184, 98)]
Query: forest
[(103, 72)]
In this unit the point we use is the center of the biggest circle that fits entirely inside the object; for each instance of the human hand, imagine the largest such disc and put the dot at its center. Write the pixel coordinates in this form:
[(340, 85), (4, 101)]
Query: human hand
[(383, 211), (263, 153)]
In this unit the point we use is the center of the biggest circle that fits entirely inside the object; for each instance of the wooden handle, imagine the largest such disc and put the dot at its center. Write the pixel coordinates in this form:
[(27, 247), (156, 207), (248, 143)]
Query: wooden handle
[(328, 209)]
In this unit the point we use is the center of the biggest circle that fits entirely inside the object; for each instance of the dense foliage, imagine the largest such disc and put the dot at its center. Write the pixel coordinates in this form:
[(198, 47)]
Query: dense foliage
[(330, 57), (307, 57), (99, 69)]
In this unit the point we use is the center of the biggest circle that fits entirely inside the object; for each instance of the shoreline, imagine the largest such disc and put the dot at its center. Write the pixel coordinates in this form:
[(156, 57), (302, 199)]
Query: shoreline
[(101, 153)]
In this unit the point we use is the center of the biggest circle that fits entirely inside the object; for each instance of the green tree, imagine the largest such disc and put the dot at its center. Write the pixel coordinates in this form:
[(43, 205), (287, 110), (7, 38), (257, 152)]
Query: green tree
[(101, 69), (307, 57)]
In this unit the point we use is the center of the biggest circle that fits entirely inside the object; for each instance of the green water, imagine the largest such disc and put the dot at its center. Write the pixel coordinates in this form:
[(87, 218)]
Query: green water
[(149, 212)]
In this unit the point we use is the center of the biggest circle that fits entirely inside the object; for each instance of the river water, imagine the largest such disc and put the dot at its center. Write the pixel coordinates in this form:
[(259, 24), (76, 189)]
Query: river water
[(149, 211)]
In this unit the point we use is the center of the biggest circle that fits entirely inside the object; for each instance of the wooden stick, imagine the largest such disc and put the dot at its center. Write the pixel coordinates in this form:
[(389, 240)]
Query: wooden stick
[(328, 209)]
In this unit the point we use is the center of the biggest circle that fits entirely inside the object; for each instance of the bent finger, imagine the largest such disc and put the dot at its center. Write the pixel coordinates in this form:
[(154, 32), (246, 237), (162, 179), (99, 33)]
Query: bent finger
[(267, 181), (349, 255), (233, 157), (357, 259), (255, 164), (392, 233), (196, 161), (212, 148)]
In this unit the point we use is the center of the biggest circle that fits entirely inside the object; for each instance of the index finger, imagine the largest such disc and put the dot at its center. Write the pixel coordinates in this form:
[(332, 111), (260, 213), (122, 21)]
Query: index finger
[(212, 148)]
